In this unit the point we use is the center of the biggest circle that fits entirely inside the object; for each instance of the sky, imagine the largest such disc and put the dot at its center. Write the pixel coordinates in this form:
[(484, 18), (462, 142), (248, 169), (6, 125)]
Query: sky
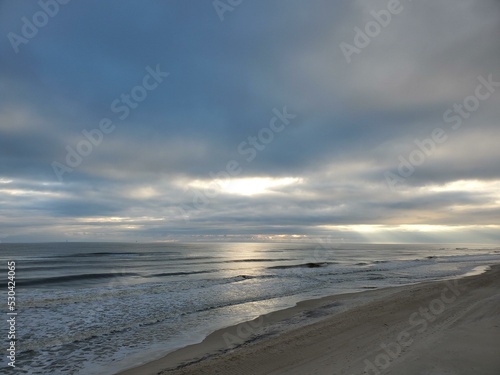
[(354, 121)]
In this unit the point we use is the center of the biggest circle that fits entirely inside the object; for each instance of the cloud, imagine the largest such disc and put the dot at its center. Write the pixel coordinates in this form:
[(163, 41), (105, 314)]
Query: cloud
[(147, 179)]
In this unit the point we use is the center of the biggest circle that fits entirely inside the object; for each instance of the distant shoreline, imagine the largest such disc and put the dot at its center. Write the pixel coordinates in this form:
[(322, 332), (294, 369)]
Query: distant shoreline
[(354, 332)]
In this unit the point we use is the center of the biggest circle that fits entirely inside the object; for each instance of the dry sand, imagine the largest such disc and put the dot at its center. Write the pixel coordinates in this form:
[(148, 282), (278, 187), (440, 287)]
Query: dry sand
[(436, 328)]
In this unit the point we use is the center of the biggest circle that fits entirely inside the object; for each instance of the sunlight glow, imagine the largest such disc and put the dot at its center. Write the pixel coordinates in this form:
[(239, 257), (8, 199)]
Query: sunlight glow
[(467, 185), (22, 192), (144, 192), (247, 186), (405, 228)]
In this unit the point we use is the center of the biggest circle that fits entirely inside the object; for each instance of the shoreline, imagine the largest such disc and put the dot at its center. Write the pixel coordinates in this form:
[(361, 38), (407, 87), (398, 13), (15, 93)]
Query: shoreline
[(252, 341)]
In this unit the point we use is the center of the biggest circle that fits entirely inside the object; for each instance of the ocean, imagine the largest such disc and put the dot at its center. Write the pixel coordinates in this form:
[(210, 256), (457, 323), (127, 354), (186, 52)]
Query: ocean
[(96, 308)]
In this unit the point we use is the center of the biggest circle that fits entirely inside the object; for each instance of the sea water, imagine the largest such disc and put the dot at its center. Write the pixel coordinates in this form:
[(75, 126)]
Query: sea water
[(97, 308)]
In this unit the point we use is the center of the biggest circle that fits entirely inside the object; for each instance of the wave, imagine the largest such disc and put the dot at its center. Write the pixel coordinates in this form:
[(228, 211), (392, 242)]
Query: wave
[(121, 253), (256, 260), (302, 265), (163, 274), (70, 278), (100, 276), (375, 277), (96, 254), (259, 260)]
